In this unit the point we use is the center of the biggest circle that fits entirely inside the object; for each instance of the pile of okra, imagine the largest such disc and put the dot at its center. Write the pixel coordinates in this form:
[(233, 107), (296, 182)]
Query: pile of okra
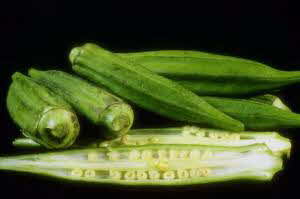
[(231, 116)]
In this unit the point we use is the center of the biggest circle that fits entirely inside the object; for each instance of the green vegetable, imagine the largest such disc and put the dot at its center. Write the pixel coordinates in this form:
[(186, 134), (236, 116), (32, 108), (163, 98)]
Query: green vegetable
[(185, 135), (214, 75), (255, 115), (271, 100), (96, 104), (145, 88), (42, 116), (151, 165)]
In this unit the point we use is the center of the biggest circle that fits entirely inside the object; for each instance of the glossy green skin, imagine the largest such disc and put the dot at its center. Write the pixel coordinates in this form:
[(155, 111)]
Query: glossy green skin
[(214, 75), (28, 104), (53, 164), (94, 103), (256, 115), (145, 88)]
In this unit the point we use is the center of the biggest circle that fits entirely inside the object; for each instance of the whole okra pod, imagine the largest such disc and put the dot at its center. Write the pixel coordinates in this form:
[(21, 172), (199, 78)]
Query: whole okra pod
[(42, 116)]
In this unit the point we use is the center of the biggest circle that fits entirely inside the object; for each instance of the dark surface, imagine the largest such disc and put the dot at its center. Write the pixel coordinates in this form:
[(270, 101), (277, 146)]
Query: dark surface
[(40, 34)]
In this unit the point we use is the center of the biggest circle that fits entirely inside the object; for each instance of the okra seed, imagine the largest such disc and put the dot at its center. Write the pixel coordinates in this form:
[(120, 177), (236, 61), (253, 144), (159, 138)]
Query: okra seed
[(154, 175), (181, 174), (146, 154), (141, 175), (77, 172), (169, 175), (90, 173), (113, 155), (134, 155), (93, 156), (129, 175), (115, 174)]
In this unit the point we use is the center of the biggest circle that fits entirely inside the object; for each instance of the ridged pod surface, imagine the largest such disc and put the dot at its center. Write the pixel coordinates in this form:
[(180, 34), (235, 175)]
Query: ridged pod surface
[(214, 75), (41, 115), (255, 115), (145, 88), (96, 104), (151, 165)]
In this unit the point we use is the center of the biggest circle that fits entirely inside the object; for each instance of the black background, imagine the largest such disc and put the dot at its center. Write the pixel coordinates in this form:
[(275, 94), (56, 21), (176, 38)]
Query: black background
[(41, 33)]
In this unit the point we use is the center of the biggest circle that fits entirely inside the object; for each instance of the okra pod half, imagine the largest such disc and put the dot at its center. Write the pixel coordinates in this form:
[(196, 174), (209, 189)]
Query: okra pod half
[(278, 144), (145, 88), (151, 165), (96, 104), (214, 75), (42, 116)]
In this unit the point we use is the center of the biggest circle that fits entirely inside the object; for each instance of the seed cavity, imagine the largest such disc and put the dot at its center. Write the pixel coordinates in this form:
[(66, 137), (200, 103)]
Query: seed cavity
[(141, 175), (173, 154), (169, 175), (116, 175), (113, 155), (77, 172), (162, 154), (129, 175), (93, 156), (153, 140), (183, 155), (182, 174), (146, 155), (154, 175), (90, 173), (134, 155)]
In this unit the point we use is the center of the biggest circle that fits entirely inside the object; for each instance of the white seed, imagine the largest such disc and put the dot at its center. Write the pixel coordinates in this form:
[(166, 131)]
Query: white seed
[(173, 154), (195, 173), (77, 172), (183, 154), (113, 155), (162, 154), (129, 175), (89, 173), (169, 175), (134, 155), (182, 173), (93, 156), (146, 155), (205, 172), (154, 175), (116, 175), (141, 175)]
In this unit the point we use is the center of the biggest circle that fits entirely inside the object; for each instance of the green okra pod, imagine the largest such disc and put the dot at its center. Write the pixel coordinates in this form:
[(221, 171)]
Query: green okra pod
[(145, 88), (151, 165), (96, 104), (214, 75), (42, 116)]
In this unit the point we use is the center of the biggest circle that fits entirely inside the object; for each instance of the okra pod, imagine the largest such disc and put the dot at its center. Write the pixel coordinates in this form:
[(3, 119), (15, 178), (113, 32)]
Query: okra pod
[(42, 116), (151, 165), (214, 75), (145, 88), (96, 104), (278, 144)]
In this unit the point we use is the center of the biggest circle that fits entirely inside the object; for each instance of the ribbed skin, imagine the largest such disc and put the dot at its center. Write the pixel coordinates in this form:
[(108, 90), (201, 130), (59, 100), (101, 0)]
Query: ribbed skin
[(145, 88), (214, 75), (256, 115), (96, 104), (31, 105)]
